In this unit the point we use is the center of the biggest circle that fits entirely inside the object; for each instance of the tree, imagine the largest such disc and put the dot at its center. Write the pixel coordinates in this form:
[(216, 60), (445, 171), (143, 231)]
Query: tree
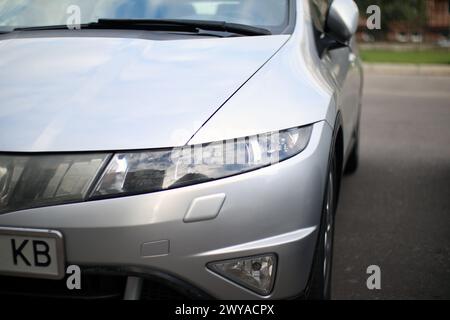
[(411, 13)]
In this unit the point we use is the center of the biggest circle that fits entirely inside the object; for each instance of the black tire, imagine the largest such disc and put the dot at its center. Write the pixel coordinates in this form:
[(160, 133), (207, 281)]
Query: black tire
[(353, 160), (320, 281)]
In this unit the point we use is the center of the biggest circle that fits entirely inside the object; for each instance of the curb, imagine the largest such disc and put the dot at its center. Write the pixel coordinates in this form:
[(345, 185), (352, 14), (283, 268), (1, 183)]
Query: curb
[(407, 69)]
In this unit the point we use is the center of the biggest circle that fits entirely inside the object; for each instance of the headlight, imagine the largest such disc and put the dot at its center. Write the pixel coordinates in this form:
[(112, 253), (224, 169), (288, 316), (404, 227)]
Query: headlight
[(254, 273), (43, 180), (142, 172)]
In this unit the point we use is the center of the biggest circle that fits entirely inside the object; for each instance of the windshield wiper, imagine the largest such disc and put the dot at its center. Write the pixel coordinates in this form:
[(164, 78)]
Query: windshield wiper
[(199, 24), (164, 25)]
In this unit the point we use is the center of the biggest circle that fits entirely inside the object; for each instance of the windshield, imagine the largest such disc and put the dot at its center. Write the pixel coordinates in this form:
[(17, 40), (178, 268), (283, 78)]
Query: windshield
[(269, 14)]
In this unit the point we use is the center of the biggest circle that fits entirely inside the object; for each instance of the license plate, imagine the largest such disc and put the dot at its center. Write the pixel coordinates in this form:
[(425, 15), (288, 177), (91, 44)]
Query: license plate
[(31, 253)]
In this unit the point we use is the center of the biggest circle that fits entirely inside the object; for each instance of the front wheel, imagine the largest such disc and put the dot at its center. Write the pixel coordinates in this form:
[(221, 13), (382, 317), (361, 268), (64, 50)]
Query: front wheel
[(320, 285)]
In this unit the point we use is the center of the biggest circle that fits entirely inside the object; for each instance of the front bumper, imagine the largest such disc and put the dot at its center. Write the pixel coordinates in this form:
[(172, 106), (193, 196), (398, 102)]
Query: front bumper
[(272, 210)]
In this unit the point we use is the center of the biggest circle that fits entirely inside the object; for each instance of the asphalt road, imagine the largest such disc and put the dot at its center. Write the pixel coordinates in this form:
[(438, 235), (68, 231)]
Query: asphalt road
[(395, 211)]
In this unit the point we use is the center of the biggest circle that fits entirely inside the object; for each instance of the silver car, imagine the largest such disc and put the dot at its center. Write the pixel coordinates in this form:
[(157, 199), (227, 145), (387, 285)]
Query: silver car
[(174, 149)]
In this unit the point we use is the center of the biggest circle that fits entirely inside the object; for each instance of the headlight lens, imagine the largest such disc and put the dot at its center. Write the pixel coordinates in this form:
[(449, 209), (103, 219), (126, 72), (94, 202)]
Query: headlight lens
[(142, 172), (254, 273), (43, 180)]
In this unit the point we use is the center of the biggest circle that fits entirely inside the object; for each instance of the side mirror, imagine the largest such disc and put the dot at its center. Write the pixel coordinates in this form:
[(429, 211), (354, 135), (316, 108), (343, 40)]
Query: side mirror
[(342, 20), (341, 24)]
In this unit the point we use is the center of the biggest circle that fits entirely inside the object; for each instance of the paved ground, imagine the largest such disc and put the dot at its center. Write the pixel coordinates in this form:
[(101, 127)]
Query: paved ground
[(407, 69), (395, 211)]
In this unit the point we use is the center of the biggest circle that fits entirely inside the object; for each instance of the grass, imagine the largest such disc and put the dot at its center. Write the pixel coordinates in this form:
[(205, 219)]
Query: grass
[(414, 57)]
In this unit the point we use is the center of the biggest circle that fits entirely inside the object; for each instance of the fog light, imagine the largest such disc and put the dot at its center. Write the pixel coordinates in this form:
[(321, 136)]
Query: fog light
[(254, 273)]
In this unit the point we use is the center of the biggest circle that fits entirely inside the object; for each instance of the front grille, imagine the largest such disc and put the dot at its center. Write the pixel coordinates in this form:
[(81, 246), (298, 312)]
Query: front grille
[(98, 283), (93, 287)]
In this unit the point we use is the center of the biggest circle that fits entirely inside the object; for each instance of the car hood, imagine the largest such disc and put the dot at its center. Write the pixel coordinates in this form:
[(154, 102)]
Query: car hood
[(86, 94)]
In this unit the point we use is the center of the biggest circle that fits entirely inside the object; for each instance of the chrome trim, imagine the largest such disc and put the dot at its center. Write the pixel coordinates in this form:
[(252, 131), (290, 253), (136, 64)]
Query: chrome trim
[(133, 288)]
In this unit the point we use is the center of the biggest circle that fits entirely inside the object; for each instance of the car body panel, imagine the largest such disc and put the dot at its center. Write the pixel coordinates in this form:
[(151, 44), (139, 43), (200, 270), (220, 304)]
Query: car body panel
[(347, 72), (236, 88), (296, 87), (86, 93), (111, 232)]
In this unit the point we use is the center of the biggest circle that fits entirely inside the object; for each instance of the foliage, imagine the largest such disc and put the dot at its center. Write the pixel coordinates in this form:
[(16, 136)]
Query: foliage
[(414, 57), (412, 13)]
